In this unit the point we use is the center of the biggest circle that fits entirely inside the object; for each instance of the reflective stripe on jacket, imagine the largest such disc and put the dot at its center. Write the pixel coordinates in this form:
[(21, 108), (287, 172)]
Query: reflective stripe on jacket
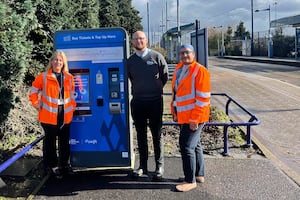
[(47, 86), (191, 94)]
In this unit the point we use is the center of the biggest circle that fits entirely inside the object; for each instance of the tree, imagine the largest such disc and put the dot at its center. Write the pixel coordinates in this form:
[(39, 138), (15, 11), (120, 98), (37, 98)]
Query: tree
[(129, 18), (214, 37), (87, 13), (227, 40), (283, 45), (108, 13), (16, 20), (241, 32)]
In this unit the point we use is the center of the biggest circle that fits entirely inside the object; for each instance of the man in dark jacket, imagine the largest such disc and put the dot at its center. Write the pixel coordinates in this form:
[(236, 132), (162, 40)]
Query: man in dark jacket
[(148, 73)]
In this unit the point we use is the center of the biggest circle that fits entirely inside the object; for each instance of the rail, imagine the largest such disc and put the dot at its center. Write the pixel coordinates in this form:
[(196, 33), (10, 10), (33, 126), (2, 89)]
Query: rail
[(14, 158), (251, 122)]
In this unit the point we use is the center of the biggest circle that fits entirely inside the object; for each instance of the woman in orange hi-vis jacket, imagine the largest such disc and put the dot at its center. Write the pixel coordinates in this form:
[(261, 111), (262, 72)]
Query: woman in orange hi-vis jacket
[(190, 107), (52, 94)]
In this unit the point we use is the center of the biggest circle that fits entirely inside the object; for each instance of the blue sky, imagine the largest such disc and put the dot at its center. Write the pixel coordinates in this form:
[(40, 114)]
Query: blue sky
[(214, 12)]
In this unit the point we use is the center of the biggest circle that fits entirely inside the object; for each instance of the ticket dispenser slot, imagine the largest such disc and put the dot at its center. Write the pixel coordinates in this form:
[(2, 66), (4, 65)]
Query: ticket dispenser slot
[(115, 108), (114, 90), (114, 83)]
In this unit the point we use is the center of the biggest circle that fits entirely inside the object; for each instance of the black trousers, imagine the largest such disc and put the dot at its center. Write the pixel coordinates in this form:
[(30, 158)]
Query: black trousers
[(144, 112), (56, 155)]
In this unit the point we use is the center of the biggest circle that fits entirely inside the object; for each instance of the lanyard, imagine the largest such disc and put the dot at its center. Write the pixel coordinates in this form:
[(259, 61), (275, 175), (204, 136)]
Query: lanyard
[(61, 85)]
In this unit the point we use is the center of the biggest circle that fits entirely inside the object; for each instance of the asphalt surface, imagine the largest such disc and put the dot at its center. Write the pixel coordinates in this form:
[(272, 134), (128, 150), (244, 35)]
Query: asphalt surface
[(275, 102), (226, 179)]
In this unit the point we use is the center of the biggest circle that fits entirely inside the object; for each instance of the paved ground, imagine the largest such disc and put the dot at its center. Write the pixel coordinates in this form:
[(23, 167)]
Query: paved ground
[(226, 179)]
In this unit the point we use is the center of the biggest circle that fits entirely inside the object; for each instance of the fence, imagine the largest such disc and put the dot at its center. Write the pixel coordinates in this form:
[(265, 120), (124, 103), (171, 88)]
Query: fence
[(253, 120)]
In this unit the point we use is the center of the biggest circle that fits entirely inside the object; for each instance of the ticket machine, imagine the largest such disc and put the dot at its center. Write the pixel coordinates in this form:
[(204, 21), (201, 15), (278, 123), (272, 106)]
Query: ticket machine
[(101, 127)]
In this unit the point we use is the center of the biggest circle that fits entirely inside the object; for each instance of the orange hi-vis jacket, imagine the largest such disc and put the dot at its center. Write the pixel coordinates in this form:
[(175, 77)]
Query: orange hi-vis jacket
[(191, 94), (47, 85)]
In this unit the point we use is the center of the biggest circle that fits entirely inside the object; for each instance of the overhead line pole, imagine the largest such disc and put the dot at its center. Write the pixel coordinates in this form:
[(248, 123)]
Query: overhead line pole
[(148, 21), (252, 34)]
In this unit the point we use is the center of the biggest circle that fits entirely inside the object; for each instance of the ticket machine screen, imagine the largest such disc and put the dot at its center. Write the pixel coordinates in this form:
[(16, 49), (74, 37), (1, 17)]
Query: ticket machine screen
[(82, 91)]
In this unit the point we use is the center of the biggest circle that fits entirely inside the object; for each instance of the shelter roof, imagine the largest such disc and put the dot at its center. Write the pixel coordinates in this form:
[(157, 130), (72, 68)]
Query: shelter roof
[(286, 21)]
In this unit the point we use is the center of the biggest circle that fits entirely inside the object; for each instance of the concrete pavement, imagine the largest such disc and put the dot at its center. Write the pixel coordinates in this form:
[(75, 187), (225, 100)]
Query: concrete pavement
[(227, 178)]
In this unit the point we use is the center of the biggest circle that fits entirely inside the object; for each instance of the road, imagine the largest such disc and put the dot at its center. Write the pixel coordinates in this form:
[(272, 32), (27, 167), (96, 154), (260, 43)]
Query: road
[(272, 93)]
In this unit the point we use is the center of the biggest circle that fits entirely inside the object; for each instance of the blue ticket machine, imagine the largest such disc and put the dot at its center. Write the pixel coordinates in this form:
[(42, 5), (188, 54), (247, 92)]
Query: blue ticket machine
[(101, 127)]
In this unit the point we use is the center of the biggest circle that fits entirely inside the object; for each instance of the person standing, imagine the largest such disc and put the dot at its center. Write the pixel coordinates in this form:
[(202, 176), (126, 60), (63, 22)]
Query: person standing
[(190, 107), (52, 94), (148, 73)]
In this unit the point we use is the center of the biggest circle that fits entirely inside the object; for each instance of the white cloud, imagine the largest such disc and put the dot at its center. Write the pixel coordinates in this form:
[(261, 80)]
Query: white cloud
[(214, 12)]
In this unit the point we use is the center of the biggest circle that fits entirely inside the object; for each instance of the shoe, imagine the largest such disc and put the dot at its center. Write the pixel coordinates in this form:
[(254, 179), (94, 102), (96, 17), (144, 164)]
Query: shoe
[(139, 172), (56, 172), (200, 179), (185, 187), (67, 170), (159, 173)]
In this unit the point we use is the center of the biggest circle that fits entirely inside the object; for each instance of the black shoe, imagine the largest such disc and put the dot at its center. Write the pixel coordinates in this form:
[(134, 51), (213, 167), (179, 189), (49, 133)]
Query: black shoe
[(67, 170), (139, 172), (57, 173), (159, 173)]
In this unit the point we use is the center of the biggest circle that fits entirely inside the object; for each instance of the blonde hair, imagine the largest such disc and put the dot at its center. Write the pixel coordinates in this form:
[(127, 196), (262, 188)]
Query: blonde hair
[(65, 67)]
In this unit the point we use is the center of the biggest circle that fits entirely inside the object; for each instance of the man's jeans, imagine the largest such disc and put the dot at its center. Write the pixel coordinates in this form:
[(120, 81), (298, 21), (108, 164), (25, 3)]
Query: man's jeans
[(191, 152)]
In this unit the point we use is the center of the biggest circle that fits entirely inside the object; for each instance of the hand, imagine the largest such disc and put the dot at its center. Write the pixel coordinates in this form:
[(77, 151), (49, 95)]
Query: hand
[(174, 118), (193, 126), (37, 107)]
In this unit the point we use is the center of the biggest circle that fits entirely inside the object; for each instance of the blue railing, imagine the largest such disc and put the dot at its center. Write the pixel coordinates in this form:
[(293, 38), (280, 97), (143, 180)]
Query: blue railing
[(11, 160), (253, 120)]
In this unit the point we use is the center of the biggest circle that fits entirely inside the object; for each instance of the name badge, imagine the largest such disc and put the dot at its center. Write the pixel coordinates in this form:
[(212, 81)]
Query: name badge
[(60, 102), (150, 62)]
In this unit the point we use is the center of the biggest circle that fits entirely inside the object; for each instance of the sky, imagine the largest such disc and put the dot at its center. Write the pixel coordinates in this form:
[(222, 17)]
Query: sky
[(213, 13)]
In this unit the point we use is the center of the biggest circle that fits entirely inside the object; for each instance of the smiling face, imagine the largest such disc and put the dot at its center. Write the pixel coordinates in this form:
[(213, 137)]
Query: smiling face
[(57, 63), (187, 56), (139, 41)]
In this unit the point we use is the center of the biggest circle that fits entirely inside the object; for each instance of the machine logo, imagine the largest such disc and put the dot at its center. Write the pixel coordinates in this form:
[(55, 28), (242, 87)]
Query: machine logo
[(74, 141), (67, 38), (87, 141)]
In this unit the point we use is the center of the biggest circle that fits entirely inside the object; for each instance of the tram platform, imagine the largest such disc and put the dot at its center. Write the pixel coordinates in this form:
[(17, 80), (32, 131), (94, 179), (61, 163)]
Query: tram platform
[(226, 178)]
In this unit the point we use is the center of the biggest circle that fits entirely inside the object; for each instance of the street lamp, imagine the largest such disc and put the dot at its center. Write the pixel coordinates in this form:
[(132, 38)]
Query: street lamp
[(269, 31), (222, 46)]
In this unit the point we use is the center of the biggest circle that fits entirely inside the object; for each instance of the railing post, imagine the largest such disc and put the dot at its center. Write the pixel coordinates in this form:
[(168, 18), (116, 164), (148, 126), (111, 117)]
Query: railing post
[(249, 142), (226, 151), (227, 106)]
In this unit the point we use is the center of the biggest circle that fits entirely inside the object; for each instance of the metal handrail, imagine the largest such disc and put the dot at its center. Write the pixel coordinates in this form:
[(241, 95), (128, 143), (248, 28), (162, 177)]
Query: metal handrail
[(251, 122), (14, 158)]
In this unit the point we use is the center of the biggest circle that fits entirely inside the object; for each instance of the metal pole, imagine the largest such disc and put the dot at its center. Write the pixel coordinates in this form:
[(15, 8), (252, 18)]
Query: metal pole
[(269, 32), (178, 28), (222, 50), (178, 23), (252, 34), (197, 49), (166, 16), (148, 21)]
